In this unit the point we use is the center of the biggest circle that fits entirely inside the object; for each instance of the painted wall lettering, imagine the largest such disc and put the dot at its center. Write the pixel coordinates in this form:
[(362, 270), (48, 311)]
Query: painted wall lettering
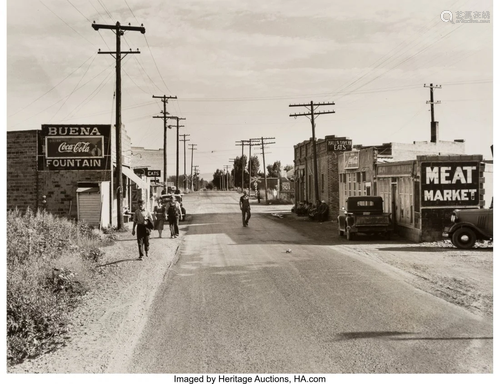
[(74, 147), (450, 184)]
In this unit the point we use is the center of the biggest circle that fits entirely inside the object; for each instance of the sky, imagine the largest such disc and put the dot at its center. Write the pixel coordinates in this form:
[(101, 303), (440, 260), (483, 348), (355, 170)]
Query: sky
[(236, 66)]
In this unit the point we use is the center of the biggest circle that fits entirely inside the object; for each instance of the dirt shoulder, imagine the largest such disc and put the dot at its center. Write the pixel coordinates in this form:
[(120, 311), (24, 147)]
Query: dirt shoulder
[(108, 323), (461, 277)]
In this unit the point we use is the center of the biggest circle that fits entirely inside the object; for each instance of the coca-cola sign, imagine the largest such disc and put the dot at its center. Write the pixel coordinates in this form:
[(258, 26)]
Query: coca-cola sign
[(74, 147)]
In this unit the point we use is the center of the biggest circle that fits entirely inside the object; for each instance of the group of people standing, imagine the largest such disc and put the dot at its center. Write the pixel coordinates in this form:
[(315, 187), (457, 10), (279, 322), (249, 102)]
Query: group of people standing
[(145, 221)]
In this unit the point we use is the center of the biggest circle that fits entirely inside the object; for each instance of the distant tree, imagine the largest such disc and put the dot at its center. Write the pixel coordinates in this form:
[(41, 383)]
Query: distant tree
[(274, 170), (218, 179), (288, 167), (238, 164)]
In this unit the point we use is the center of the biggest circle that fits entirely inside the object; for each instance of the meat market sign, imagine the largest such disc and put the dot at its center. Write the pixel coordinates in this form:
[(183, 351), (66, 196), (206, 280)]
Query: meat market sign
[(74, 147), (450, 184)]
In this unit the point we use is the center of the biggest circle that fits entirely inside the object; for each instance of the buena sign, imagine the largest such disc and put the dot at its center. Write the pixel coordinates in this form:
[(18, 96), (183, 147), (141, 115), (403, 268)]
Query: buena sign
[(74, 147), (450, 184)]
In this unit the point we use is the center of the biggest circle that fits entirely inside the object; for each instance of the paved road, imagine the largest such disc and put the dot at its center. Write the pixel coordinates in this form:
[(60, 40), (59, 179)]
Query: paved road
[(237, 302)]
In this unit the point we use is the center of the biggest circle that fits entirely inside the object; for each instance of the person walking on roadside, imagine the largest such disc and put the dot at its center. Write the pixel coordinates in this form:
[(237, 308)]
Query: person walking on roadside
[(173, 214), (245, 208), (141, 215), (160, 213)]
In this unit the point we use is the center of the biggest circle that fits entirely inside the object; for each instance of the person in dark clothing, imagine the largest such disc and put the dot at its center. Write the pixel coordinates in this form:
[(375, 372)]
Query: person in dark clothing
[(245, 208), (160, 215), (319, 212), (173, 214), (140, 216)]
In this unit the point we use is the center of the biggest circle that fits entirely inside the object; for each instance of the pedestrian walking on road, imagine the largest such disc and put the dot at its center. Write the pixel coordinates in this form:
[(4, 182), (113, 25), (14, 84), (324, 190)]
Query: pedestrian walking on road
[(160, 213), (245, 208), (173, 214), (141, 218)]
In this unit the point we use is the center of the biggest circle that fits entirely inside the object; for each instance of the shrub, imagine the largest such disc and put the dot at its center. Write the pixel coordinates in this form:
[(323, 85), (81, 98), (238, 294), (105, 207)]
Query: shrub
[(50, 266)]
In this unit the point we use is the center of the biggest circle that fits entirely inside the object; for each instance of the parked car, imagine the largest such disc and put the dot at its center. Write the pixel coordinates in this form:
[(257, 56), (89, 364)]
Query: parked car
[(178, 196), (468, 226), (364, 214)]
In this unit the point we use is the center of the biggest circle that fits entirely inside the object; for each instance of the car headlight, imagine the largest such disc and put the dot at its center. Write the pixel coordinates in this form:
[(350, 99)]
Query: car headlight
[(453, 217)]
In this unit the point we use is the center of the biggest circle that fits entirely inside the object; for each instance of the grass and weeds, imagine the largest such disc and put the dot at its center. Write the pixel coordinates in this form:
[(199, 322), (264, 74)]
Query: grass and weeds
[(51, 265)]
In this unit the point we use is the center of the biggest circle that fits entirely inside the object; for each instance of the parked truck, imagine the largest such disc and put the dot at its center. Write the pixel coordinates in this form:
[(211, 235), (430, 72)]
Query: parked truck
[(364, 214)]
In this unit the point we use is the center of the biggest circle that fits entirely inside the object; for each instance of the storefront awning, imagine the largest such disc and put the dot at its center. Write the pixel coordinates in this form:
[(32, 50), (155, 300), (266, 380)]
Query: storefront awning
[(136, 179), (87, 190)]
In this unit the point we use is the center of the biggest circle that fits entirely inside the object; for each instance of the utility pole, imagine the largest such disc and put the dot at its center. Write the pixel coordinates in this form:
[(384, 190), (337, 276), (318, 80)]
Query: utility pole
[(434, 124), (264, 158), (119, 30), (310, 115), (164, 117), (242, 143), (193, 147), (226, 172), (185, 175), (222, 183), (251, 142), (177, 148), (230, 176), (196, 175)]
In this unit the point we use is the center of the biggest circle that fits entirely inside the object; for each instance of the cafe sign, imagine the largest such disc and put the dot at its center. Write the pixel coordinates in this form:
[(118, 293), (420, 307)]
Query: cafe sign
[(338, 145), (153, 173), (450, 184), (74, 147)]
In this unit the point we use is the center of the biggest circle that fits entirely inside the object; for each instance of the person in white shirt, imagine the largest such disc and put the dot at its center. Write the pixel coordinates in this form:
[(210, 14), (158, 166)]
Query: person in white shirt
[(140, 216)]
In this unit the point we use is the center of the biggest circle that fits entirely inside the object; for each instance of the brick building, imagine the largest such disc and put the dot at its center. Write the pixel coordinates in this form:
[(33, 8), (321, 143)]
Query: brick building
[(328, 151), (67, 171)]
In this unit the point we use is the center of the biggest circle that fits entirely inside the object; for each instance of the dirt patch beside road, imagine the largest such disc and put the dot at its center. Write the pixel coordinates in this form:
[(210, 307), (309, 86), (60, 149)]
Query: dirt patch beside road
[(461, 277), (107, 325)]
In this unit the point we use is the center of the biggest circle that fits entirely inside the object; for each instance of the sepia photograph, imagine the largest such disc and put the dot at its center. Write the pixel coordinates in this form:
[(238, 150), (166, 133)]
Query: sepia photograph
[(249, 191)]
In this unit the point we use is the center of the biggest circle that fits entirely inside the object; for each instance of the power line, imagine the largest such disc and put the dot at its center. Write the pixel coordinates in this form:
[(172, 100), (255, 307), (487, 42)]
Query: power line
[(55, 86), (105, 10), (93, 94), (73, 91), (130, 9), (79, 11), (61, 99), (69, 26)]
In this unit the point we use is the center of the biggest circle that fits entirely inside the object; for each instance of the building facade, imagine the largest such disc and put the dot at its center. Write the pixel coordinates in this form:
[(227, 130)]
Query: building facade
[(67, 170), (328, 152), (421, 194)]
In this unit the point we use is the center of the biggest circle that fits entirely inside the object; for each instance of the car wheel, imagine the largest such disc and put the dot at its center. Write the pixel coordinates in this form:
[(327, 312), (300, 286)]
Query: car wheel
[(349, 235), (464, 238)]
